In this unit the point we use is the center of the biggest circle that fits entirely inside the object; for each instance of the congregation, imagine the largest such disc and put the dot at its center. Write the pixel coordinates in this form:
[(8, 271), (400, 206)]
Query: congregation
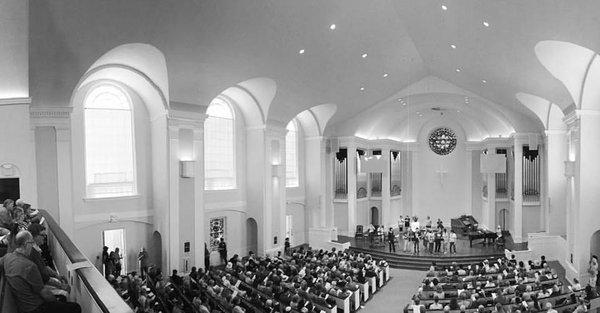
[(27, 264), (500, 286)]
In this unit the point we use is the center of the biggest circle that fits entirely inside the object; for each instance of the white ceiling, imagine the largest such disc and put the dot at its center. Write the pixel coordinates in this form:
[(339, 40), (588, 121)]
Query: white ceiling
[(210, 46)]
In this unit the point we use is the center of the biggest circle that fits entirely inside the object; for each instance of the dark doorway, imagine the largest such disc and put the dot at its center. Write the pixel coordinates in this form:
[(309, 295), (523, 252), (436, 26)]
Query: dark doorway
[(156, 249), (375, 216), (251, 235), (9, 189)]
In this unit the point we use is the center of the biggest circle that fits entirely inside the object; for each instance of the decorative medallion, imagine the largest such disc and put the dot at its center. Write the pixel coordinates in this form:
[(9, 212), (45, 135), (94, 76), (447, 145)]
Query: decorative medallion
[(442, 141)]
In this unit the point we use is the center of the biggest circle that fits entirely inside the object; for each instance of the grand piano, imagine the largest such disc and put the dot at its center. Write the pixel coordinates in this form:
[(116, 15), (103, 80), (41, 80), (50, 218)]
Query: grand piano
[(463, 224), (488, 236)]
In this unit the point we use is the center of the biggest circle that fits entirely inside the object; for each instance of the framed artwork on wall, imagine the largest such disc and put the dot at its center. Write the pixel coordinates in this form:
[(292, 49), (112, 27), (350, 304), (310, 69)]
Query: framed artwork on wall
[(216, 227)]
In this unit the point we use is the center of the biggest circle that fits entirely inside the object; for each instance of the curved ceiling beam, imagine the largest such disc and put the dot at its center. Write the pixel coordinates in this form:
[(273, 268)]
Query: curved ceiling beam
[(549, 113), (314, 120), (569, 63)]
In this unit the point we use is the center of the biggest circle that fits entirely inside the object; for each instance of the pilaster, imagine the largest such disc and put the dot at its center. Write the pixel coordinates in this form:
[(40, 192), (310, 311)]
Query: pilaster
[(60, 119)]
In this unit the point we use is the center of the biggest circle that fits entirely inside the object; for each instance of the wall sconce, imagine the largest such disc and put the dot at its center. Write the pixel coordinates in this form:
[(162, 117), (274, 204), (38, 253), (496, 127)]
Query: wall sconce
[(569, 169), (186, 169)]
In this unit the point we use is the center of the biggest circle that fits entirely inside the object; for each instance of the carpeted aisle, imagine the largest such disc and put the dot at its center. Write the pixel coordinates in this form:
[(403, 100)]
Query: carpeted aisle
[(396, 294)]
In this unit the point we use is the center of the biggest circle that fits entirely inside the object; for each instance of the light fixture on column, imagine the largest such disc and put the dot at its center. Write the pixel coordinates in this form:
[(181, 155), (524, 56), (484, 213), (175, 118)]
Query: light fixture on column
[(186, 168), (569, 169)]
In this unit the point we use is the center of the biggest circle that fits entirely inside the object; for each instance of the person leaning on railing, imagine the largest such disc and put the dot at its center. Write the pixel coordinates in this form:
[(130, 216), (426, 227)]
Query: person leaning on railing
[(25, 281)]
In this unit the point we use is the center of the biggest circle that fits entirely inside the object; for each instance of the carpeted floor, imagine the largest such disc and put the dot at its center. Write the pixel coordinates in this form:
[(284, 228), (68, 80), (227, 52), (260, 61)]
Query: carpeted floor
[(396, 294)]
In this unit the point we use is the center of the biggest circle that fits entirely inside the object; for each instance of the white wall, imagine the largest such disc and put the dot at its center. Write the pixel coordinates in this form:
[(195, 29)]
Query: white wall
[(14, 50), (532, 219), (446, 199), (18, 152), (476, 186), (47, 174), (340, 214), (297, 211)]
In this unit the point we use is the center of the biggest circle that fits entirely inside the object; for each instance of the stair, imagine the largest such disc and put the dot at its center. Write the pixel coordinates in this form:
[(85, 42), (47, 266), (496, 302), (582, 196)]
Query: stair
[(423, 262)]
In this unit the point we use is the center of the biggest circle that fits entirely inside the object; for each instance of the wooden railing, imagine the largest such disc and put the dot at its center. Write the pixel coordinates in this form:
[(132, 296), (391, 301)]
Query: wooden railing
[(89, 288)]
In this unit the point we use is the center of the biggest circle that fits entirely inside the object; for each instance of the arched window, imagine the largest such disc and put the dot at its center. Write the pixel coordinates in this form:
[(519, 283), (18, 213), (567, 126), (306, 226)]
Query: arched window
[(291, 155), (109, 148), (219, 147)]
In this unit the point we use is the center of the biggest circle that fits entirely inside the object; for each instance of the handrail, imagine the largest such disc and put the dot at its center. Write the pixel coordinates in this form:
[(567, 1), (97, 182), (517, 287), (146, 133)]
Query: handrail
[(104, 295)]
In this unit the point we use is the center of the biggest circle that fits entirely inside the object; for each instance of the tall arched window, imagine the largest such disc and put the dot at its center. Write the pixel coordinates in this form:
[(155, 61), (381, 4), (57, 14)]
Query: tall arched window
[(291, 155), (219, 147), (109, 148)]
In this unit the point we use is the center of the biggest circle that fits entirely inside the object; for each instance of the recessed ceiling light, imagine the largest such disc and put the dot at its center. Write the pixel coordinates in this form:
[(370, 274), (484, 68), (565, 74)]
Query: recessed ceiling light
[(400, 99), (403, 103), (453, 46), (444, 7), (486, 24), (484, 81), (332, 26), (364, 55), (458, 111), (301, 51), (385, 75), (362, 88), (458, 69)]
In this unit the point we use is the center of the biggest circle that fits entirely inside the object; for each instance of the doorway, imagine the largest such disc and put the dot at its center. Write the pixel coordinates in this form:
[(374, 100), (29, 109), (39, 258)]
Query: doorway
[(288, 229), (374, 216), (502, 215), (156, 249), (115, 238), (251, 235), (595, 244)]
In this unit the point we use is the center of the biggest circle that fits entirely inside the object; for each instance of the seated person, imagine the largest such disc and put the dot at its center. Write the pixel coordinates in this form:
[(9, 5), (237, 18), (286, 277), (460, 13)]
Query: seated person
[(25, 280), (436, 305)]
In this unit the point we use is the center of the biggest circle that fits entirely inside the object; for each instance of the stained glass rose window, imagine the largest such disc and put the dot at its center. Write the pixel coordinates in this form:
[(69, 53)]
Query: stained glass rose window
[(442, 141)]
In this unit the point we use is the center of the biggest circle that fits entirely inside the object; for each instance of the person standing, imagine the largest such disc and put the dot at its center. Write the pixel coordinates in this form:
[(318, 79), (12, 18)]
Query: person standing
[(391, 239), (593, 271), (415, 241), (445, 240), (223, 250), (206, 257), (405, 238), (106, 262), (452, 239), (287, 246), (438, 240), (117, 262), (143, 259)]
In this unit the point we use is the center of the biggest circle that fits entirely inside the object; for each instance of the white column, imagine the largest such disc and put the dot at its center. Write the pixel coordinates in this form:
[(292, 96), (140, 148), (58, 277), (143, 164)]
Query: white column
[(489, 215), (351, 189), (316, 180), (174, 257), (199, 222), (469, 193), (556, 151), (387, 218), (65, 179), (517, 234)]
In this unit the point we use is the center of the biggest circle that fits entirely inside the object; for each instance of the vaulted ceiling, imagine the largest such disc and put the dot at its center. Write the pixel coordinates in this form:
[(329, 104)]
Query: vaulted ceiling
[(210, 46)]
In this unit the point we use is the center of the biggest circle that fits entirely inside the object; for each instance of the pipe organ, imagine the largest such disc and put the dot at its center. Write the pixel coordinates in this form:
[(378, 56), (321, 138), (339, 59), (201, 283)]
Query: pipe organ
[(341, 174), (531, 175)]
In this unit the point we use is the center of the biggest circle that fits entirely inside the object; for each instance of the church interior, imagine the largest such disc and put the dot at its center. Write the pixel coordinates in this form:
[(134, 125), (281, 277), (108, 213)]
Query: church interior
[(304, 139)]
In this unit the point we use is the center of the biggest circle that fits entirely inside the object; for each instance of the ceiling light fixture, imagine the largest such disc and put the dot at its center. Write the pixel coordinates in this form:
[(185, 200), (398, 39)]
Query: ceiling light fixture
[(444, 7), (385, 75), (301, 51), (362, 88), (486, 24), (364, 55), (453, 46), (484, 81), (458, 69), (332, 27)]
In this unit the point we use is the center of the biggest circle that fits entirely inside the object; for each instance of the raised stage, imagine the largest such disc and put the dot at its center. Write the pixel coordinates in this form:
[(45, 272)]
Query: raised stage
[(407, 260)]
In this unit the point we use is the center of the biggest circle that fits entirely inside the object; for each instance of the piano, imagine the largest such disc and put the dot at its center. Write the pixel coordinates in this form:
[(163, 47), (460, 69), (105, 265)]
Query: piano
[(488, 236), (463, 224)]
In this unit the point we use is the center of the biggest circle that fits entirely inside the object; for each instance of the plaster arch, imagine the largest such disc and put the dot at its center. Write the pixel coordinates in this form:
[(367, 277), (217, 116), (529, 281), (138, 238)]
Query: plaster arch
[(314, 120), (577, 67), (548, 113), (253, 97), (141, 67)]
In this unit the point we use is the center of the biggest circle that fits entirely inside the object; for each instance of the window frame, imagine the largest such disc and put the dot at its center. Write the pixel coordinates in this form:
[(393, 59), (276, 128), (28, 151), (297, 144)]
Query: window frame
[(296, 154), (129, 100), (234, 138)]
